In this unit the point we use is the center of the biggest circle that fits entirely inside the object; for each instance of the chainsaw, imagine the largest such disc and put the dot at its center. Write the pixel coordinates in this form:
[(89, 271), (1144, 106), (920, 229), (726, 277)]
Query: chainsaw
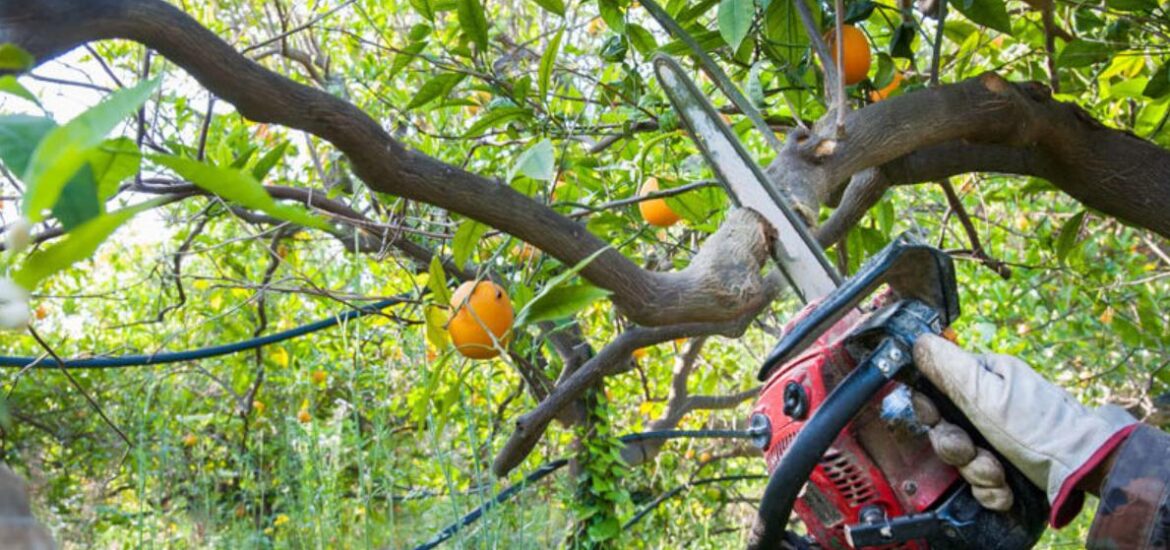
[(835, 419)]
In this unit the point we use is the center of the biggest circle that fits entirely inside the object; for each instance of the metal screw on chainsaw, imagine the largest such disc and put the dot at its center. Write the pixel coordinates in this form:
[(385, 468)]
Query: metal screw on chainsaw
[(909, 488), (896, 354)]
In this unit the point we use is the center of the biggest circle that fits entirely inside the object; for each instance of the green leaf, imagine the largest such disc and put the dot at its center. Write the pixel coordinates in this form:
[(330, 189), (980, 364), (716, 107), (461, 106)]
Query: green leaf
[(784, 32), (9, 85), (268, 161), (19, 136), (438, 86), (902, 44), (474, 22), (114, 161), (403, 58), (437, 280), (1159, 84), (553, 6), (423, 7), (1132, 5), (66, 148), (557, 280), (494, 118), (436, 326), (14, 58), (79, 200), (641, 39), (1082, 53), (859, 11), (560, 303), (239, 187), (989, 13), (466, 237), (614, 48), (612, 14), (1068, 235), (547, 62), (537, 162), (77, 245), (735, 20)]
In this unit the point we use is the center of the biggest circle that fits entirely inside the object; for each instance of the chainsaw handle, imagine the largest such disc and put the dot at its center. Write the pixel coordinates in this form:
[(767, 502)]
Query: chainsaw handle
[(911, 268), (805, 452)]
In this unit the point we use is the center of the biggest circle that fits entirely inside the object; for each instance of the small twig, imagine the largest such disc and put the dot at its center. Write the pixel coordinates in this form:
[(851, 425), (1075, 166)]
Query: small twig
[(205, 127), (818, 44), (839, 37), (977, 250), (938, 38), (280, 37), (77, 386)]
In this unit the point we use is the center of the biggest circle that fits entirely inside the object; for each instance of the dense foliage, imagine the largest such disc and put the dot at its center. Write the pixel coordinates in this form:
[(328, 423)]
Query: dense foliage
[(378, 432)]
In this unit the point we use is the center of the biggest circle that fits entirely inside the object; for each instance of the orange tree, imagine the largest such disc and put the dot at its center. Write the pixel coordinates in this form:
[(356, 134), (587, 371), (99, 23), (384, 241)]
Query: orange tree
[(285, 160)]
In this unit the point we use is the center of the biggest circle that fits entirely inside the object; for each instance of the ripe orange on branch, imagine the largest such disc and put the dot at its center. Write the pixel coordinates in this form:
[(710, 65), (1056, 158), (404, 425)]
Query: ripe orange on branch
[(655, 211), (857, 56), (481, 313)]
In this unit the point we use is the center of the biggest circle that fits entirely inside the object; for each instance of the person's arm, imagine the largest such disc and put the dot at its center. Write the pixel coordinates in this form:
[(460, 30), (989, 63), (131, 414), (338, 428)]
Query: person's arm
[(1061, 445), (1133, 487)]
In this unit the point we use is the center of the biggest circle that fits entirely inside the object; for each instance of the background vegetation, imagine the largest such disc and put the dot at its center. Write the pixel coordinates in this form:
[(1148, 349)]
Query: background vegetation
[(377, 433)]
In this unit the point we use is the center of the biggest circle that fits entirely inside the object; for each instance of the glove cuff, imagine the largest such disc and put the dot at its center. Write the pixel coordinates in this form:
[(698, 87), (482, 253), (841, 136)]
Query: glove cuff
[(1069, 500)]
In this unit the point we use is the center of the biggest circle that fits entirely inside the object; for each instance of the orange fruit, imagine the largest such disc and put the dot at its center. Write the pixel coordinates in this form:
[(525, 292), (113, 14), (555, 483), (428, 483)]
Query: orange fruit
[(705, 457), (639, 353), (319, 377), (190, 440), (655, 211), (41, 312), (895, 83), (258, 407), (857, 55), (303, 416), (481, 313)]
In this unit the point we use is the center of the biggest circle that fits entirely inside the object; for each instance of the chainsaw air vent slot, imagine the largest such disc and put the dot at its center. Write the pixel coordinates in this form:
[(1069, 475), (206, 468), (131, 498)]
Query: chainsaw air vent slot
[(849, 478)]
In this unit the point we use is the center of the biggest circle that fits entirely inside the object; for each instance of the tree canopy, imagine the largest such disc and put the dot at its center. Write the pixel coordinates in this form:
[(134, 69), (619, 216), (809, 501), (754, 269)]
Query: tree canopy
[(239, 228)]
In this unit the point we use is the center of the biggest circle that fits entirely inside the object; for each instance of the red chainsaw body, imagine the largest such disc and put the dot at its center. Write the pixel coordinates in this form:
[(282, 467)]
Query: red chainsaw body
[(874, 461)]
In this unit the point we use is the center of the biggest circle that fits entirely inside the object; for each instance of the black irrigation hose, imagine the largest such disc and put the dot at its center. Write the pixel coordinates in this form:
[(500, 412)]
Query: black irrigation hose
[(681, 488), (140, 360), (550, 467), (475, 514)]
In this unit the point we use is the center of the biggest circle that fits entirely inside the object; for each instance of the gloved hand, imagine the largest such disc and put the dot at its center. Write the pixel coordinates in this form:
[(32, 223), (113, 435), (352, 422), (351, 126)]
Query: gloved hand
[(1040, 428)]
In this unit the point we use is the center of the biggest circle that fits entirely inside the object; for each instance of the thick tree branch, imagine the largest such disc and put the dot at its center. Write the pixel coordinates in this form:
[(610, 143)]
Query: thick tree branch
[(985, 124), (51, 27)]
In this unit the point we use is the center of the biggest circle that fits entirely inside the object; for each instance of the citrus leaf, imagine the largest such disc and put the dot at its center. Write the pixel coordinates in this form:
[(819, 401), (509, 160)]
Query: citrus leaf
[(735, 20), (784, 31), (66, 148), (612, 14), (268, 161), (79, 200), (436, 87), (9, 85), (1082, 53), (1068, 235), (437, 280), (553, 6), (641, 39), (466, 237), (403, 58), (19, 136), (560, 303), (1132, 5), (989, 13), (14, 58), (547, 62), (1159, 84), (536, 162), (112, 162), (239, 187), (77, 245), (474, 22), (494, 118), (436, 326), (557, 280)]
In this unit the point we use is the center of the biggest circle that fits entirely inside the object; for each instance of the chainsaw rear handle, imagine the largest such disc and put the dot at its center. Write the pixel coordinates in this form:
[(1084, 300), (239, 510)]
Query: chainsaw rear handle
[(842, 404)]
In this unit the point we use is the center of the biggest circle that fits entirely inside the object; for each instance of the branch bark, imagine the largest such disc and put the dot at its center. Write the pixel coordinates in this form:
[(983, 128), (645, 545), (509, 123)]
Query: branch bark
[(49, 28), (985, 124)]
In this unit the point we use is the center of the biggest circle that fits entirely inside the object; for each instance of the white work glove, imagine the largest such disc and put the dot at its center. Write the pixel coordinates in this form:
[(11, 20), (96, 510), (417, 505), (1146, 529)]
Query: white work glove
[(1040, 428)]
